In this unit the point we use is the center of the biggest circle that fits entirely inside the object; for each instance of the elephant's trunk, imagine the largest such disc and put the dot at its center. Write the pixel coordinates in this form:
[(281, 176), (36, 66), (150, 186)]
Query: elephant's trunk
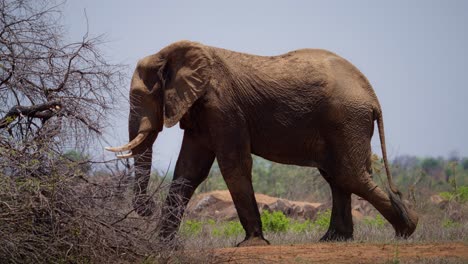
[(141, 149), (142, 172), (141, 132), (142, 202), (145, 122)]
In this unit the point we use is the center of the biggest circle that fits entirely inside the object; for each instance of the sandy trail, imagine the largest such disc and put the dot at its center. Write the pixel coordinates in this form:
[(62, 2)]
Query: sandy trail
[(345, 253)]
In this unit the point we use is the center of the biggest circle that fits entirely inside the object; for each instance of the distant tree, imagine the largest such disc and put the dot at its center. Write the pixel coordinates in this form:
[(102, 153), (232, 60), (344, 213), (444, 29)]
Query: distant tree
[(434, 167), (405, 162), (454, 156), (430, 164), (464, 163)]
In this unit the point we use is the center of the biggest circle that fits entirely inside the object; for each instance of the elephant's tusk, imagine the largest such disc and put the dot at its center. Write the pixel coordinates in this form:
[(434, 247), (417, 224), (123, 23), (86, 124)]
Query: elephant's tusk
[(125, 156), (132, 144)]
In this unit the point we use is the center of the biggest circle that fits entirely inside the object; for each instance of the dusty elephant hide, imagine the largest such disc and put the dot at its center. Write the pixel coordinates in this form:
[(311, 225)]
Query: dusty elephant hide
[(307, 107)]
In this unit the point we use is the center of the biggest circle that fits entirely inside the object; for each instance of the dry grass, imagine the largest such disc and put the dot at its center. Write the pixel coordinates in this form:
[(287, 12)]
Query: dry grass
[(56, 213), (435, 227), (52, 211)]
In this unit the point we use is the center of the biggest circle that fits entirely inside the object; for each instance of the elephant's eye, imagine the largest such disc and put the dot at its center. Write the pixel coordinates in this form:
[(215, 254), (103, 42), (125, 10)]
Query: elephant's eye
[(167, 74), (164, 74)]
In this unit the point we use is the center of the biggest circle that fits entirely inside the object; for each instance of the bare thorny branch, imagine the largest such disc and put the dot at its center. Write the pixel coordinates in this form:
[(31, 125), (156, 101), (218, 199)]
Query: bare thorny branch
[(51, 211), (55, 96), (55, 206), (38, 70)]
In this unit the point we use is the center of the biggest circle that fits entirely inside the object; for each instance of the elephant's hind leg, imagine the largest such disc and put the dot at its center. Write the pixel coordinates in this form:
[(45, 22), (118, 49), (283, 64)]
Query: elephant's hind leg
[(347, 155), (341, 221), (403, 219)]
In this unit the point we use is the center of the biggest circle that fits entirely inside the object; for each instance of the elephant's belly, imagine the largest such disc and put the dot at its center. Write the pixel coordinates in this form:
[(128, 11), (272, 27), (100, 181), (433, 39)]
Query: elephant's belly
[(292, 149)]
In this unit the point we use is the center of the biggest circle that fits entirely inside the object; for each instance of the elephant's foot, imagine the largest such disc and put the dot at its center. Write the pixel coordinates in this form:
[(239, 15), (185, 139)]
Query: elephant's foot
[(334, 235), (407, 219), (405, 232), (143, 205), (254, 241), (406, 229)]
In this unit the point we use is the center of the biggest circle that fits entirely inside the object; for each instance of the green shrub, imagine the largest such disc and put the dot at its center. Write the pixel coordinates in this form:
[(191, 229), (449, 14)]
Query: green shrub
[(191, 227), (299, 227), (233, 228), (271, 221), (378, 221), (449, 223), (226, 229), (462, 194), (446, 195), (323, 219), (459, 194), (274, 222)]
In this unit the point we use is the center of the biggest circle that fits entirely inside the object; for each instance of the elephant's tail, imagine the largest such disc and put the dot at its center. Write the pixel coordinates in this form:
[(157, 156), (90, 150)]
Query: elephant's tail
[(380, 125)]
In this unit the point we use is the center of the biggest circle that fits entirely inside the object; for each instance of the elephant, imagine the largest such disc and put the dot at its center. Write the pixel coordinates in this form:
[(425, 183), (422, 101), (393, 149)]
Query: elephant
[(308, 107)]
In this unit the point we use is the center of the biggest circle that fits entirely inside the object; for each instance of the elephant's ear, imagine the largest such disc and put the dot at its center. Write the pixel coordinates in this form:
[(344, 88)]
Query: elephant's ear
[(187, 76)]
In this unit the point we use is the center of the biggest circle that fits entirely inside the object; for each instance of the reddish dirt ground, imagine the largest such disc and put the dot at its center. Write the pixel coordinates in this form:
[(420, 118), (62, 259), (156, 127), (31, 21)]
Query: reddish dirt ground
[(346, 253)]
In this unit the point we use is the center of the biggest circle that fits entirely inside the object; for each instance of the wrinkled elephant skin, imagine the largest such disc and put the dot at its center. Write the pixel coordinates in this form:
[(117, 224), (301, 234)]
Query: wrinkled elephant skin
[(307, 107)]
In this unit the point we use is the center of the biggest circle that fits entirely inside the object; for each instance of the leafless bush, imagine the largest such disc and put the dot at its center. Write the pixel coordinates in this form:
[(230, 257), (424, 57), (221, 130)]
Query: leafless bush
[(48, 87), (51, 212), (55, 207)]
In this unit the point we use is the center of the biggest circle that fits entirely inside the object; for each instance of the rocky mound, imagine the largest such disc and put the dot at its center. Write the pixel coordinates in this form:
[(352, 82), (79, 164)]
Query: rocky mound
[(218, 205)]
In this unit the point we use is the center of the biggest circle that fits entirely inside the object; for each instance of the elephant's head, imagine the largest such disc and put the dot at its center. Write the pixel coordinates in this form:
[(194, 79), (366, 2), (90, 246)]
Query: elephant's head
[(163, 88)]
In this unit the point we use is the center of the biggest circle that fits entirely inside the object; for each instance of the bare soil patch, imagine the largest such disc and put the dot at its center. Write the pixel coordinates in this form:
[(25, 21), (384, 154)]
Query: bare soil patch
[(347, 253)]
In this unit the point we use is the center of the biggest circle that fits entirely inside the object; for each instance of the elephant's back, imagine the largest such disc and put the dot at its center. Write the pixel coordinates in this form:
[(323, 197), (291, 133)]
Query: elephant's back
[(350, 86), (305, 78), (287, 63), (294, 72)]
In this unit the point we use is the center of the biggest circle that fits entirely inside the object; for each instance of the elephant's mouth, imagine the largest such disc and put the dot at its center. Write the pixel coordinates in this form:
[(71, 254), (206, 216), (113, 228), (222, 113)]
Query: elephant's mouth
[(129, 146)]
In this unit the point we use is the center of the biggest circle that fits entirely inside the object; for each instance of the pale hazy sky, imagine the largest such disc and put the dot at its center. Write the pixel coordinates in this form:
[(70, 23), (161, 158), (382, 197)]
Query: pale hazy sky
[(413, 52)]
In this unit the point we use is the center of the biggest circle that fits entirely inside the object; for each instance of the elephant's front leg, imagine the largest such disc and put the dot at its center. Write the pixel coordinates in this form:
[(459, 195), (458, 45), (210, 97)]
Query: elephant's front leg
[(192, 168), (235, 162)]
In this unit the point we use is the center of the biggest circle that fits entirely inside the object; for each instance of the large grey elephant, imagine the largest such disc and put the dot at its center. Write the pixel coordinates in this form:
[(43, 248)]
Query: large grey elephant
[(307, 107)]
